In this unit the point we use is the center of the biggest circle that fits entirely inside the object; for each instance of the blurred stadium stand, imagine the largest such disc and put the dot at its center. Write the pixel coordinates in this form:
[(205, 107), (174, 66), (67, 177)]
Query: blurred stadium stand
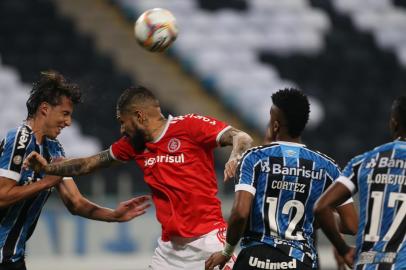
[(349, 56)]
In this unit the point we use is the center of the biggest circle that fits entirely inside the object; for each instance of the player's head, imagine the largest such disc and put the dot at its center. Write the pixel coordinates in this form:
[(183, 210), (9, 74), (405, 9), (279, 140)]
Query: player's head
[(137, 108), (51, 101), (397, 121), (289, 114)]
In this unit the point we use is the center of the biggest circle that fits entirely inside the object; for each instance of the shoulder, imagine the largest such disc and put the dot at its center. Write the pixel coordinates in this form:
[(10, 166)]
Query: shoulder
[(193, 118), (357, 160), (383, 147), (257, 152), (55, 147), (322, 156), (20, 137)]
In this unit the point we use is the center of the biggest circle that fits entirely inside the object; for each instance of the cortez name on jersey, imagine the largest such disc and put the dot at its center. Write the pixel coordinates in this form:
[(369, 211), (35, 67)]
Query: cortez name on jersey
[(179, 168), (286, 179)]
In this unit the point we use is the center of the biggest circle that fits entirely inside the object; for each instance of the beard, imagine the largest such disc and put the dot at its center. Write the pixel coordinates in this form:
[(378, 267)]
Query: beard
[(138, 141)]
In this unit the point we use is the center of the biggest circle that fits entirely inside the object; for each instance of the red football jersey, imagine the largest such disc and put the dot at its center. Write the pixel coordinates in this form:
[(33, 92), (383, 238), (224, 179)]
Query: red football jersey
[(179, 168)]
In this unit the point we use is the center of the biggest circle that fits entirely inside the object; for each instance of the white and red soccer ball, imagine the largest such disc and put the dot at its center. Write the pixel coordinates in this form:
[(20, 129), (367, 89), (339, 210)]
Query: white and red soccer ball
[(156, 29)]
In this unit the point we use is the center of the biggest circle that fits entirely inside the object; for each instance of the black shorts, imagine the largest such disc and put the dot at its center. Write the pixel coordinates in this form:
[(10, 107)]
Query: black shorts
[(18, 265), (266, 257)]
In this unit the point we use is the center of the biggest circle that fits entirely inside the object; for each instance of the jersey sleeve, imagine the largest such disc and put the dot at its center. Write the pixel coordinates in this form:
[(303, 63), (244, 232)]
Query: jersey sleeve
[(14, 149), (247, 173), (349, 176), (206, 130), (122, 150)]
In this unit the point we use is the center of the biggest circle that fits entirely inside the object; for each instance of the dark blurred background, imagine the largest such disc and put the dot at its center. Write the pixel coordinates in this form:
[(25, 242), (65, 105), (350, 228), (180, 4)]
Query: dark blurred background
[(349, 56)]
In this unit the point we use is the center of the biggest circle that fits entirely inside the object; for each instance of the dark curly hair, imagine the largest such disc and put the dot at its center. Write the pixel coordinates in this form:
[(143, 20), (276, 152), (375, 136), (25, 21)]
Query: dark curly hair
[(134, 95), (295, 107), (50, 87)]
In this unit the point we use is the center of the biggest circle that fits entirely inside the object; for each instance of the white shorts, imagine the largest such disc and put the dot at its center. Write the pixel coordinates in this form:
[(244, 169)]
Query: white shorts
[(188, 253)]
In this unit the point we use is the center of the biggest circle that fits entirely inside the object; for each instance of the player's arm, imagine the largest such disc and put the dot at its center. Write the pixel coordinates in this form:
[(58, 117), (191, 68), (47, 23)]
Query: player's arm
[(71, 167), (11, 192), (236, 226), (241, 142), (239, 216), (347, 219), (79, 205), (335, 195)]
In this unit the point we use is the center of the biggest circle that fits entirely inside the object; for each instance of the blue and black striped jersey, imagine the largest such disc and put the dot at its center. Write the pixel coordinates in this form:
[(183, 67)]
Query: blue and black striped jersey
[(17, 222), (379, 178), (286, 179)]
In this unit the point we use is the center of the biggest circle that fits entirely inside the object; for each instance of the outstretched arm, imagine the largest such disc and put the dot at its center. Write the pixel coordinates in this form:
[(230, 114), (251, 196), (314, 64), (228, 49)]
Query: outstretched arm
[(10, 192), (70, 167), (241, 142), (79, 205)]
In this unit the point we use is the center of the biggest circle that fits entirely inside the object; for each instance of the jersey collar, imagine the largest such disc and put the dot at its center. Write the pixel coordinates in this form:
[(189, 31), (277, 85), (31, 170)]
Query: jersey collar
[(290, 143), (168, 121)]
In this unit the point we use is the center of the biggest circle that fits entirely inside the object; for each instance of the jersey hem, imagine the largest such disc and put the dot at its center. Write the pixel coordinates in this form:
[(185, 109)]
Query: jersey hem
[(221, 134), (347, 183), (113, 156), (245, 187)]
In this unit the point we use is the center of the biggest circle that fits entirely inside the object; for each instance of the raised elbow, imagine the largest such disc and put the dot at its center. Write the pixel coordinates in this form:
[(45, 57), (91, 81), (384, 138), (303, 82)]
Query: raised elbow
[(319, 207), (245, 138)]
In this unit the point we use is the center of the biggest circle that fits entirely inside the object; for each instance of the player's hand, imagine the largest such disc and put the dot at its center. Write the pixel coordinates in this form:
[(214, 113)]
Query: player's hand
[(349, 257), (230, 168), (130, 209), (35, 162), (216, 259), (339, 260)]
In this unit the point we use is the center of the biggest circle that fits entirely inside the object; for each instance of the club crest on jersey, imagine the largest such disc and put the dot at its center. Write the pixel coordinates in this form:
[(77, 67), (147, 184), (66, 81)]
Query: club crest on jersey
[(173, 145), (371, 164), (17, 160)]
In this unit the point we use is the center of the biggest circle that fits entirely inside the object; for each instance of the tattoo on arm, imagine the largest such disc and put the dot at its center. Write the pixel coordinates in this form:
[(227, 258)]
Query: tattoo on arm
[(240, 141), (80, 166)]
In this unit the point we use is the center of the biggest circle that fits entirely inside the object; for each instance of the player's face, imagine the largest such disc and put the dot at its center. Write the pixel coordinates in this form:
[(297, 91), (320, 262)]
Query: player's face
[(57, 117), (131, 126)]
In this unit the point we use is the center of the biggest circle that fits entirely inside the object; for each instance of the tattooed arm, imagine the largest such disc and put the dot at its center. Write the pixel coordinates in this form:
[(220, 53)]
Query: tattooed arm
[(241, 142), (70, 167)]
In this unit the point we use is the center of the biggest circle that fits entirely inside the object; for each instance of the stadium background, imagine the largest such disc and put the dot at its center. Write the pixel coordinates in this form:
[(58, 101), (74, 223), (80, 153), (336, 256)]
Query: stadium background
[(348, 55)]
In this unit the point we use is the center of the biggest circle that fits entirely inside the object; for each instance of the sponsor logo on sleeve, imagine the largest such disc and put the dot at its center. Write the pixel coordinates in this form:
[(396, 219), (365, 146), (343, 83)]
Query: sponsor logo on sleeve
[(23, 138)]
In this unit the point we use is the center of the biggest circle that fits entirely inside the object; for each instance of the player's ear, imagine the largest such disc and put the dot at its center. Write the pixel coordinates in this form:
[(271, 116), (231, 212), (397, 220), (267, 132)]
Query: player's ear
[(276, 126), (140, 115), (44, 108)]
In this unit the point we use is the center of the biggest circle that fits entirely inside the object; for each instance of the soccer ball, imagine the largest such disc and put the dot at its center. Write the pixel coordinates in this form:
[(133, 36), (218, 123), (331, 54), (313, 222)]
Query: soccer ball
[(156, 29)]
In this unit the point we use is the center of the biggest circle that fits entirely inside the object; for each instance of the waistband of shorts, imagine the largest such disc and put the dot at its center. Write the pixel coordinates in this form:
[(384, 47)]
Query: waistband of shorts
[(179, 240)]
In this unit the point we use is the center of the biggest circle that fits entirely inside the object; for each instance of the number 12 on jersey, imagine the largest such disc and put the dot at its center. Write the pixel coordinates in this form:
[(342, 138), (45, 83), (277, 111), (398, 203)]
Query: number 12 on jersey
[(287, 207)]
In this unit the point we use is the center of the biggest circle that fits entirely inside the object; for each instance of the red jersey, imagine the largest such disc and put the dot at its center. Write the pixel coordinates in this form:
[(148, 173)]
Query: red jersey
[(179, 168)]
